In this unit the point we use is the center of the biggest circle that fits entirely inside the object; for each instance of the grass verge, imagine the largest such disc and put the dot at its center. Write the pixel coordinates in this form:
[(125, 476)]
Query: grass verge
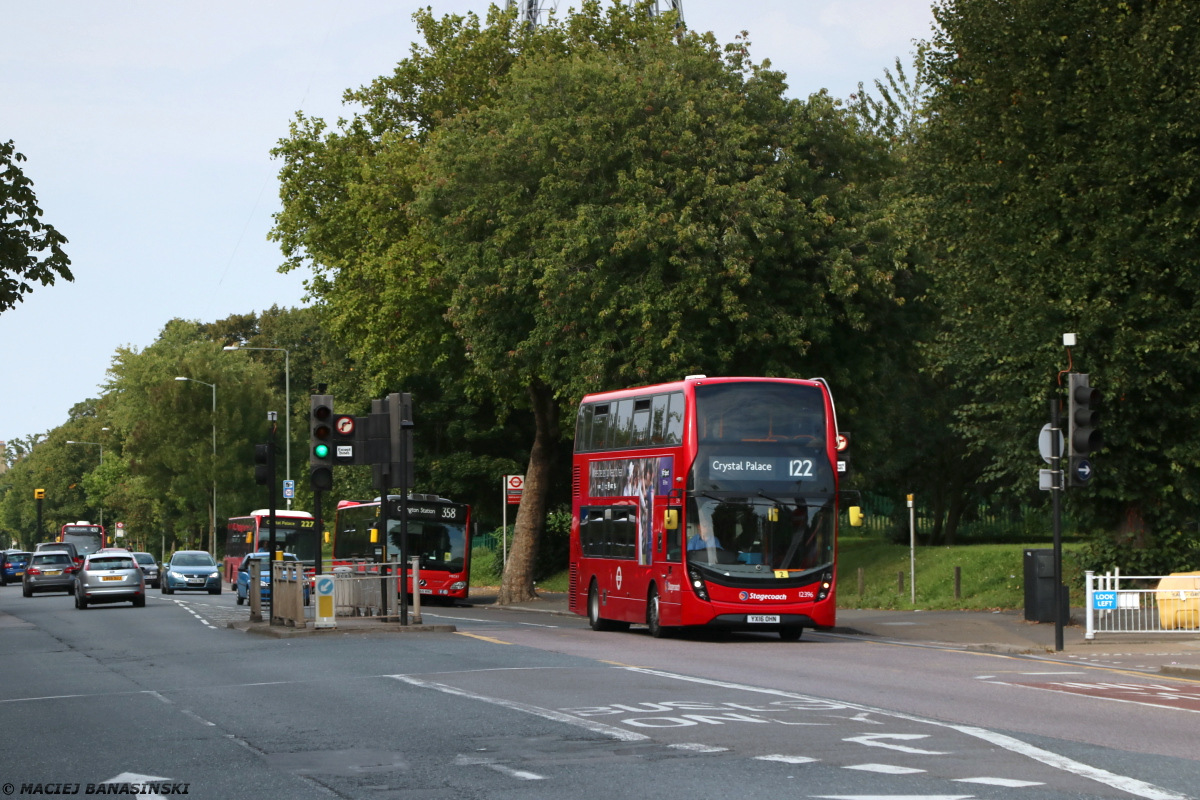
[(992, 575)]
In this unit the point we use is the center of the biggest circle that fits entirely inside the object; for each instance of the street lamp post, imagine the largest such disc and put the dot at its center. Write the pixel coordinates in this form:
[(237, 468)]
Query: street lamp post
[(212, 531), (95, 444), (287, 401)]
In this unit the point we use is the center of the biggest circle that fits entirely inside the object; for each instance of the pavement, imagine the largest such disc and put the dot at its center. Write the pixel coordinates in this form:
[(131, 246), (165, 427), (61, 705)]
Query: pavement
[(989, 631)]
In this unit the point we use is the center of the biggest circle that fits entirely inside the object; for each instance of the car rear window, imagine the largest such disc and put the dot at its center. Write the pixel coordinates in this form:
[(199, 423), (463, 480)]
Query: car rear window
[(144, 558), (111, 563), (51, 558)]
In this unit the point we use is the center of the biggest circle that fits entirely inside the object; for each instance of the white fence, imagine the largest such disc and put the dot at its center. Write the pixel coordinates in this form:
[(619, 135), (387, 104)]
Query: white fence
[(1119, 603)]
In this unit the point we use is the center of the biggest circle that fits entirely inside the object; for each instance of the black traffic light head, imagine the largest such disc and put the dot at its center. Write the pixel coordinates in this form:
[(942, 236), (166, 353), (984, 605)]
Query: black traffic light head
[(320, 451), (1083, 432), (262, 464)]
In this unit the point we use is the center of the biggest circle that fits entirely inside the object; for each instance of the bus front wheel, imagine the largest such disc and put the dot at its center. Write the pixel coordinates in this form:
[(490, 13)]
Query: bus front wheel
[(657, 629), (598, 622)]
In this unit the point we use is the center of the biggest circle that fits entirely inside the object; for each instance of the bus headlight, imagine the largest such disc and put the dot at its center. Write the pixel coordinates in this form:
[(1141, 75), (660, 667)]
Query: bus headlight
[(458, 586), (826, 586), (698, 584)]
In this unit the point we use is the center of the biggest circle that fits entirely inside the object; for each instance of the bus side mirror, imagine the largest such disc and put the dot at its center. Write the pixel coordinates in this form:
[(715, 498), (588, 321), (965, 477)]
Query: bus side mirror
[(671, 519), (326, 537), (248, 537), (856, 517), (374, 536)]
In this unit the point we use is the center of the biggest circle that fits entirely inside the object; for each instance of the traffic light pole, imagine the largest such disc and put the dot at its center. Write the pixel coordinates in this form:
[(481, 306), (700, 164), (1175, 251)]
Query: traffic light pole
[(39, 520), (318, 528), (1056, 499)]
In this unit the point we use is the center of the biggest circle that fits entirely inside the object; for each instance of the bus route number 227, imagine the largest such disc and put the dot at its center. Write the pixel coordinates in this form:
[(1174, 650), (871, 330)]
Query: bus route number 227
[(800, 468)]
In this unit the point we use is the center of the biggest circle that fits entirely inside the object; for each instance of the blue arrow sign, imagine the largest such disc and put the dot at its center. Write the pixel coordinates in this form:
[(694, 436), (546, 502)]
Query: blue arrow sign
[(1083, 470)]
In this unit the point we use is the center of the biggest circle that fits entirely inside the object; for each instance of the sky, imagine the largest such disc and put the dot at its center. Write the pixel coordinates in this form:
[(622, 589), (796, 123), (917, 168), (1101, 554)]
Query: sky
[(148, 128)]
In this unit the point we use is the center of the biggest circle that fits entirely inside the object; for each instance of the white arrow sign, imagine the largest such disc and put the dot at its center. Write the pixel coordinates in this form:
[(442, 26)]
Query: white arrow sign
[(135, 779), (876, 740)]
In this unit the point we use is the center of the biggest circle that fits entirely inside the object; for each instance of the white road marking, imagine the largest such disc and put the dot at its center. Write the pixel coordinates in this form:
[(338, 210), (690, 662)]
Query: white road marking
[(135, 778), (984, 677), (786, 759), (198, 718), (894, 796), (886, 769), (158, 696), (876, 740), (1008, 782), (490, 763), (1053, 673), (537, 711), (1120, 782), (696, 747)]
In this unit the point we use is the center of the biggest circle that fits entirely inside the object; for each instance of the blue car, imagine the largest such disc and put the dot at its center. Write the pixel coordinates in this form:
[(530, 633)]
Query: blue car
[(264, 577), (194, 570), (12, 566)]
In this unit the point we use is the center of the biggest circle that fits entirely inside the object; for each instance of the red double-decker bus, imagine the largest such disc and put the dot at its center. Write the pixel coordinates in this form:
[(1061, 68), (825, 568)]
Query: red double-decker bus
[(295, 532), (706, 502), (437, 532), (86, 537)]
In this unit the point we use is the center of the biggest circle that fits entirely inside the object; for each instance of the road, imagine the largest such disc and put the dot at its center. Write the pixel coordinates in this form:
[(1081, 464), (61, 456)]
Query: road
[(532, 705)]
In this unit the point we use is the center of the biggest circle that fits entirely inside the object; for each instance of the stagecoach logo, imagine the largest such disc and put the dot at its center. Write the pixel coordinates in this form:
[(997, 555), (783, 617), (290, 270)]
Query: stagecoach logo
[(618, 577), (760, 596)]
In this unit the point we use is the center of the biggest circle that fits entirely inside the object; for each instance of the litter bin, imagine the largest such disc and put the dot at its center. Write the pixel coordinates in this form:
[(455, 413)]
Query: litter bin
[(1178, 598), (1039, 588)]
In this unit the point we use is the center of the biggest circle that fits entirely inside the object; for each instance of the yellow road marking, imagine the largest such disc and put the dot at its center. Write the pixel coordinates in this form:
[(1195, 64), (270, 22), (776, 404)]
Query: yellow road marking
[(484, 638)]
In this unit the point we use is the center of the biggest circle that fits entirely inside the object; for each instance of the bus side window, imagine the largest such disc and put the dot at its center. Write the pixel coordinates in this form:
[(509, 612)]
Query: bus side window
[(658, 418), (675, 419), (600, 425), (641, 422), (583, 428), (622, 424)]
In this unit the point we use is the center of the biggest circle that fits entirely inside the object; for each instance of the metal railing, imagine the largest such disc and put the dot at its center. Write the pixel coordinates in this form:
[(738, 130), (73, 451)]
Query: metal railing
[(1119, 603), (366, 589), (287, 593)]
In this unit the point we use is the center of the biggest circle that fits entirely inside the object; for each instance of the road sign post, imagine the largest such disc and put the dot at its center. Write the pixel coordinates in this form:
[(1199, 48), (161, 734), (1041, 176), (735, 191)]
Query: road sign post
[(514, 487)]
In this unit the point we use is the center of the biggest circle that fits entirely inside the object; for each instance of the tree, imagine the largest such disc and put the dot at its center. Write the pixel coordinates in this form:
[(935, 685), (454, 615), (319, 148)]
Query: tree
[(615, 203), (30, 250), (1057, 166)]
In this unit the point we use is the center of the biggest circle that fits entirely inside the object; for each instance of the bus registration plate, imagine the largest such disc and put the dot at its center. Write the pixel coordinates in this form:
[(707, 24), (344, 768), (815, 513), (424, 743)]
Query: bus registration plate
[(767, 619)]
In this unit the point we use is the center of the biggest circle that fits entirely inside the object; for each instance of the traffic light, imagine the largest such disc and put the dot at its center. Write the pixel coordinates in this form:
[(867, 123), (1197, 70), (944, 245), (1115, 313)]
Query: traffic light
[(262, 464), (1083, 432), (320, 452)]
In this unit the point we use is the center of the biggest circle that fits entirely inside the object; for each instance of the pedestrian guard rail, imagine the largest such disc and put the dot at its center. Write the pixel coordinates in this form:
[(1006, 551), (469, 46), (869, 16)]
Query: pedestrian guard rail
[(366, 589), (287, 593), (1119, 603)]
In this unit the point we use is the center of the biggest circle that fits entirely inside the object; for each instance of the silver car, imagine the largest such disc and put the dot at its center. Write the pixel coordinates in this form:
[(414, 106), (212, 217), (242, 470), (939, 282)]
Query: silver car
[(109, 578), (49, 571)]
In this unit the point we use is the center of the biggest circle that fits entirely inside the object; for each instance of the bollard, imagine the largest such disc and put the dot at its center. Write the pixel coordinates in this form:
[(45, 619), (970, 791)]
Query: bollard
[(255, 590), (862, 581), (416, 584), (900, 581), (958, 583)]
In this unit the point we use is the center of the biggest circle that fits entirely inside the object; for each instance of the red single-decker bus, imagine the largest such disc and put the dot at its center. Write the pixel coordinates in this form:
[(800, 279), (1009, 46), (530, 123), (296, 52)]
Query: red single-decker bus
[(437, 532), (706, 502)]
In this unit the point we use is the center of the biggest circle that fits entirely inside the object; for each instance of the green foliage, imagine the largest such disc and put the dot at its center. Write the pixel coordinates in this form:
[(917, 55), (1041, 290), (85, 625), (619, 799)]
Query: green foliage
[(30, 250), (1056, 170)]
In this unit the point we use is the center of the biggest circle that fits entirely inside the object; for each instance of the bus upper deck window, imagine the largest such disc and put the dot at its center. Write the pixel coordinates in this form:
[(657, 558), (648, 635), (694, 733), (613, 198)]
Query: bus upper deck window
[(641, 422), (600, 424)]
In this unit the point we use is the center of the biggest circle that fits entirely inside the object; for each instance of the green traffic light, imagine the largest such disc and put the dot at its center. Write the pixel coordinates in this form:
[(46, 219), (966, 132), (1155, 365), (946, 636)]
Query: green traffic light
[(321, 450)]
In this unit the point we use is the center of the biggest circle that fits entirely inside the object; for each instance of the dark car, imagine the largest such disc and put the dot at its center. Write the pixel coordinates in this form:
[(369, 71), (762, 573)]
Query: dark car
[(190, 569), (13, 568), (49, 571), (149, 568), (60, 547)]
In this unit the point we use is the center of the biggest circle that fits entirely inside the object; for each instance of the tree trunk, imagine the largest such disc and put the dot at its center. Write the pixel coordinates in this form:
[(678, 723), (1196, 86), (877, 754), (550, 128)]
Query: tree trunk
[(958, 506), (517, 585)]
